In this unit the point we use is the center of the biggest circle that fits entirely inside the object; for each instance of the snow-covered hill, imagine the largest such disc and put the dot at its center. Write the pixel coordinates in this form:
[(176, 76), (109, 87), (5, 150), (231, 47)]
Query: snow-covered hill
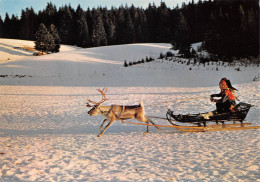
[(103, 66), (47, 135)]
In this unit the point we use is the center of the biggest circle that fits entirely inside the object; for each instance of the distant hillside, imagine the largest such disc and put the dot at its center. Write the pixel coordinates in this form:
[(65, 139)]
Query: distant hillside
[(104, 66)]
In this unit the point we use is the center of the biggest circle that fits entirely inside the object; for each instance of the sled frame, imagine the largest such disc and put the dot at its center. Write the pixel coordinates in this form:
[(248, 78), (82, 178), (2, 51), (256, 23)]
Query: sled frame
[(215, 127)]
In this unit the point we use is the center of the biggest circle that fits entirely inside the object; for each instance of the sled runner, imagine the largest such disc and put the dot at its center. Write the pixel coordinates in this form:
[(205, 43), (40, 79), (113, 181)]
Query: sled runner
[(201, 122)]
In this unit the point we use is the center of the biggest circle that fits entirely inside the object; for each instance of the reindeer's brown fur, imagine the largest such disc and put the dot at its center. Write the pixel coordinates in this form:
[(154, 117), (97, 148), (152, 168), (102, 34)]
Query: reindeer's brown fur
[(118, 112)]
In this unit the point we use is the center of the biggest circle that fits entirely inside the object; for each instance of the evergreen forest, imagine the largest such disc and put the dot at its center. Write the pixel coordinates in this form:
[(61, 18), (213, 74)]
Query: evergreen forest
[(227, 28)]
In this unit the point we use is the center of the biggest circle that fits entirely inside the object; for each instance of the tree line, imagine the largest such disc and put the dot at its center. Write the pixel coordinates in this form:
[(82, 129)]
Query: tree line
[(228, 28)]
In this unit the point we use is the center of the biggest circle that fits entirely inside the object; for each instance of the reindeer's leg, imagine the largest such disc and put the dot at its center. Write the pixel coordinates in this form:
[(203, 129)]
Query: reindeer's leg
[(101, 126), (147, 130), (102, 132), (150, 121)]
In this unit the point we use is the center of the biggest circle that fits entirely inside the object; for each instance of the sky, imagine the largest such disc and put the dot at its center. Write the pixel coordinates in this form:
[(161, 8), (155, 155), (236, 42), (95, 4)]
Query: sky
[(15, 6)]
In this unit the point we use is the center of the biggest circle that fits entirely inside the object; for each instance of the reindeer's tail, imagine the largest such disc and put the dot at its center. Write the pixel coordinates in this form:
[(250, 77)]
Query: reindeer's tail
[(142, 106), (147, 117)]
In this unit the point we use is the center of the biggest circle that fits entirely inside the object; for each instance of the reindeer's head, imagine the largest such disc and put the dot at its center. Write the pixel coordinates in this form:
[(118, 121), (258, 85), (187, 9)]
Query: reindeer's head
[(95, 110)]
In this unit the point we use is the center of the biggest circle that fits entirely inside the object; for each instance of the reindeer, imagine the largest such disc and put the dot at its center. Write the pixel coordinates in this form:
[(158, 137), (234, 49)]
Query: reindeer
[(117, 112)]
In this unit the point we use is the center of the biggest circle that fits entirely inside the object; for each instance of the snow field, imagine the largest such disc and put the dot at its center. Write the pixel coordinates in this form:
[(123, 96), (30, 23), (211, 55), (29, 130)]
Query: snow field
[(47, 135)]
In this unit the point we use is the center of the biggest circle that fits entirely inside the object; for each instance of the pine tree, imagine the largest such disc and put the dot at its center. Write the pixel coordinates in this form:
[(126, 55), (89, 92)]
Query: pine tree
[(152, 23), (28, 24), (44, 40), (109, 27), (82, 33), (50, 15), (89, 19), (49, 43), (163, 23), (98, 36), (125, 32), (54, 33), (128, 29), (14, 23), (253, 48), (182, 36), (66, 25), (6, 26), (120, 23), (140, 24), (24, 28)]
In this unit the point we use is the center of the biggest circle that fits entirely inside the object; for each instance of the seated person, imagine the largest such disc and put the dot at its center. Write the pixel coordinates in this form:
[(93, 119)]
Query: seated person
[(227, 101)]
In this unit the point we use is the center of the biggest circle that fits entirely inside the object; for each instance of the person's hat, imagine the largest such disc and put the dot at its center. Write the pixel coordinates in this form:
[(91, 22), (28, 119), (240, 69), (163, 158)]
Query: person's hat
[(223, 81)]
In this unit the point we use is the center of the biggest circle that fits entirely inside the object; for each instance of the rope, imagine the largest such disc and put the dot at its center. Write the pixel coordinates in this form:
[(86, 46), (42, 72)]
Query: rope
[(155, 117), (168, 126)]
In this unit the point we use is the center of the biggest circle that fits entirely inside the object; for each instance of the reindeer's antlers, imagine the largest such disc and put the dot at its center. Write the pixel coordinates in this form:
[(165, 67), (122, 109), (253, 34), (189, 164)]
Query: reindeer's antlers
[(92, 102), (103, 93)]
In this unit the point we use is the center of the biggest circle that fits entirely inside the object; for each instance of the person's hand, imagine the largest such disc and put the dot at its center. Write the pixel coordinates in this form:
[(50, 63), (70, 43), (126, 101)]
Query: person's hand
[(211, 99)]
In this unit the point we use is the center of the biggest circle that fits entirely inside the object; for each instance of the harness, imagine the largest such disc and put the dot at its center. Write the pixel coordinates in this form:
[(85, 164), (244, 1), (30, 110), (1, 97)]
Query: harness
[(117, 116)]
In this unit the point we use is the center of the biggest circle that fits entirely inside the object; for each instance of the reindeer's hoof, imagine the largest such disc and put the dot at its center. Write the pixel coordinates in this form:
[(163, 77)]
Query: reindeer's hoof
[(99, 135), (146, 133)]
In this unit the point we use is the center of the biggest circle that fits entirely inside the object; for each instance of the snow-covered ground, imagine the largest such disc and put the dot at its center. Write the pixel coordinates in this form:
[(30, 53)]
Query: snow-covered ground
[(47, 135)]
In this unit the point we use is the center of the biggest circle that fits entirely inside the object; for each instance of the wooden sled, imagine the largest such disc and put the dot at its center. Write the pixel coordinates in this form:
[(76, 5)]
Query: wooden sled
[(203, 122)]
